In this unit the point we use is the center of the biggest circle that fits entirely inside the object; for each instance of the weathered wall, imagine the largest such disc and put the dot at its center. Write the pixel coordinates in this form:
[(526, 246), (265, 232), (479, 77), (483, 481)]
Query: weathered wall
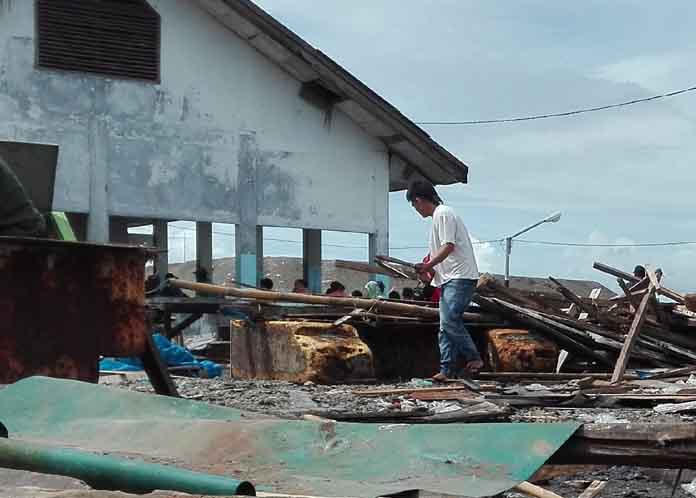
[(223, 122)]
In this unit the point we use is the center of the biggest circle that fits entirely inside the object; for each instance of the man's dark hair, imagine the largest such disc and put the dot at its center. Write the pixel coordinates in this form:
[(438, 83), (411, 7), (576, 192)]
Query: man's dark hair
[(394, 295), (424, 190), (639, 271), (266, 283), (356, 293), (407, 293)]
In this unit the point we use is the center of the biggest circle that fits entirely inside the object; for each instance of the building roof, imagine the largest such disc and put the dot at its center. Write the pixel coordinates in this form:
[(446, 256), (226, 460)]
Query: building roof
[(318, 71)]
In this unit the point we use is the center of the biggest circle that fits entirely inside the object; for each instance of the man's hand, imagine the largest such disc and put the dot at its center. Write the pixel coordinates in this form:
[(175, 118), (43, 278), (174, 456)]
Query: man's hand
[(425, 272)]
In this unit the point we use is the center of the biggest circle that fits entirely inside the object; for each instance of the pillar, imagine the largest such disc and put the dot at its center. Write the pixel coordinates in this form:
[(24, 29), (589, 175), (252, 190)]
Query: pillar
[(248, 243), (160, 232), (248, 235), (379, 239), (311, 259), (204, 250), (98, 218)]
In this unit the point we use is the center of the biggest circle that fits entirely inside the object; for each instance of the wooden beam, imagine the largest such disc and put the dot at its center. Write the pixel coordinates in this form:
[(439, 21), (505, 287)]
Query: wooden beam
[(574, 298), (377, 305), (593, 489), (615, 272), (643, 445), (627, 293), (530, 489), (631, 337)]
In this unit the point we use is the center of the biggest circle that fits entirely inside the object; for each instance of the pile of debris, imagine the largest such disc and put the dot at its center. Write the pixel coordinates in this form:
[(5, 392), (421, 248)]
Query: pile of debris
[(603, 334)]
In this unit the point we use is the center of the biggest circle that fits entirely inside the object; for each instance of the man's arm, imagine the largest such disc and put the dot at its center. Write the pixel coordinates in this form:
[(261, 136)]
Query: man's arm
[(436, 258)]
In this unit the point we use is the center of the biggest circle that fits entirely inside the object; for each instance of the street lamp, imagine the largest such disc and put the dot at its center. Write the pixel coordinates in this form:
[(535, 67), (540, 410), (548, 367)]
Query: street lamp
[(508, 241)]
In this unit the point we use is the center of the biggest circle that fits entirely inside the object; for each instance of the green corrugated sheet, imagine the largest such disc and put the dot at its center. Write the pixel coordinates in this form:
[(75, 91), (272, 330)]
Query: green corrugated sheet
[(287, 456)]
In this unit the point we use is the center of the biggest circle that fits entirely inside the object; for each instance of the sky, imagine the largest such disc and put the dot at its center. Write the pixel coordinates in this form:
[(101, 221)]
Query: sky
[(619, 176)]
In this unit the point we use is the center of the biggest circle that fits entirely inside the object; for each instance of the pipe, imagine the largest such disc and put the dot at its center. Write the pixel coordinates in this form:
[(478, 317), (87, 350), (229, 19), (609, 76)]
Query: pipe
[(109, 473)]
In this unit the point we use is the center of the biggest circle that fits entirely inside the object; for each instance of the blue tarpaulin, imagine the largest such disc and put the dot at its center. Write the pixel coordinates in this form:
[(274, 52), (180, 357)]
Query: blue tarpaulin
[(172, 354)]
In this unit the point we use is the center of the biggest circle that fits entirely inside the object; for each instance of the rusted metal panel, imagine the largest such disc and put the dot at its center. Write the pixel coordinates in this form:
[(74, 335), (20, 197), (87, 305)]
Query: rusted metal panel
[(65, 303), (298, 351), (515, 350)]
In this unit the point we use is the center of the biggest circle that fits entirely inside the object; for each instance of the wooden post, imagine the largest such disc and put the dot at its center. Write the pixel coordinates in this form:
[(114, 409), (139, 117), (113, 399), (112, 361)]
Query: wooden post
[(632, 335)]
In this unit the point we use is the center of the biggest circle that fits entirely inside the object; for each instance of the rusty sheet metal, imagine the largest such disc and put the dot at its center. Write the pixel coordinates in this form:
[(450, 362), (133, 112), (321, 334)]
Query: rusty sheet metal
[(515, 350), (65, 303), (286, 456)]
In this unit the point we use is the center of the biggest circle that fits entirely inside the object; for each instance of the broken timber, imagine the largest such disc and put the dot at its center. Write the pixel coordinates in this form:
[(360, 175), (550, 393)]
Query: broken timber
[(643, 445), (633, 332)]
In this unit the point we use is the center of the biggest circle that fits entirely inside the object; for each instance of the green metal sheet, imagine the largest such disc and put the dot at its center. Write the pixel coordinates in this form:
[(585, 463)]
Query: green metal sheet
[(288, 456)]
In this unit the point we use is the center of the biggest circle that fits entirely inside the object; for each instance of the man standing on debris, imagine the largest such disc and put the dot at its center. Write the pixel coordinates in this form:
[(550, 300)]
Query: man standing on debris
[(453, 265)]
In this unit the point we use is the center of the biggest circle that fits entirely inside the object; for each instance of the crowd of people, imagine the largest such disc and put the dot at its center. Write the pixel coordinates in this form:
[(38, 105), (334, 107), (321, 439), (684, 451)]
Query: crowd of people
[(373, 289)]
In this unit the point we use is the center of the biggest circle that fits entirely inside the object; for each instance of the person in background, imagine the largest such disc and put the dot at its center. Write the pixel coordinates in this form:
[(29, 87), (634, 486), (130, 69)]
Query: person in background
[(380, 284), (453, 263), (356, 293), (300, 287), (394, 295), (407, 294), (336, 289), (639, 272), (372, 290), (266, 284)]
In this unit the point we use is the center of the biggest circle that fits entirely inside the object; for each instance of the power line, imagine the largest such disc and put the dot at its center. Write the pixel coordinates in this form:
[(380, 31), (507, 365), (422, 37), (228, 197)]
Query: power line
[(558, 114), (582, 244)]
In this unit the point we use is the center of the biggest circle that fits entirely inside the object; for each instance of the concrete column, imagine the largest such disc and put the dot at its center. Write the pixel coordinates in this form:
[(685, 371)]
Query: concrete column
[(248, 242), (118, 230), (311, 259), (160, 232), (379, 239), (248, 236), (204, 248), (98, 219)]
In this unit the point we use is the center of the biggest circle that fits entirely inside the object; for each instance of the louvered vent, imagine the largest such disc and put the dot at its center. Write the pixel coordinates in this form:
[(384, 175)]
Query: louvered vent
[(118, 38)]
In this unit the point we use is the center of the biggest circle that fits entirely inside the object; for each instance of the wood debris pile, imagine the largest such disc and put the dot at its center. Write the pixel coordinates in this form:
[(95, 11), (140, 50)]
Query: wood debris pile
[(635, 329)]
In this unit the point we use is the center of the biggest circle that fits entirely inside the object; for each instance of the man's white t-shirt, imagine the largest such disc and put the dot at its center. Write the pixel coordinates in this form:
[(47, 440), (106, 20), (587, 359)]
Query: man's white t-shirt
[(461, 263)]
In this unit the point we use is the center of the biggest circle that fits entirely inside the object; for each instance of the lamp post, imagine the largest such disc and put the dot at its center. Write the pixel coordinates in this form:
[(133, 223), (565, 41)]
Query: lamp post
[(508, 241)]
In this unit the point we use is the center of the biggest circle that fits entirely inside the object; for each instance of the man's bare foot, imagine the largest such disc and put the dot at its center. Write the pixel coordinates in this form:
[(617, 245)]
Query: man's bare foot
[(439, 377), (474, 366)]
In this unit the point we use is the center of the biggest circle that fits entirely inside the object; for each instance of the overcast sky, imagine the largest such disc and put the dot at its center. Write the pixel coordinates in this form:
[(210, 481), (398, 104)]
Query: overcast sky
[(618, 176)]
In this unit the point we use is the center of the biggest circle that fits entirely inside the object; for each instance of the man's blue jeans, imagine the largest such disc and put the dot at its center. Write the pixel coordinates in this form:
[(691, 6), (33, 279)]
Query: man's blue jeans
[(454, 338)]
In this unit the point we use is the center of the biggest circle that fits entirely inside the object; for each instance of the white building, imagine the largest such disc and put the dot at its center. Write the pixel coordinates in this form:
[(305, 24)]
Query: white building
[(208, 111)]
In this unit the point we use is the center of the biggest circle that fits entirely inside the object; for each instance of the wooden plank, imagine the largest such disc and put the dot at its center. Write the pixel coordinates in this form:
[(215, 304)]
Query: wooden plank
[(633, 333), (627, 293), (406, 390), (593, 489), (645, 445), (363, 267), (536, 491), (156, 369), (573, 298), (615, 272), (272, 296)]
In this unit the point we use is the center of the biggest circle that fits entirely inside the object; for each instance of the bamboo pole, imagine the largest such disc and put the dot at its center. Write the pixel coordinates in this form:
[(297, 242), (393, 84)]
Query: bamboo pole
[(355, 302)]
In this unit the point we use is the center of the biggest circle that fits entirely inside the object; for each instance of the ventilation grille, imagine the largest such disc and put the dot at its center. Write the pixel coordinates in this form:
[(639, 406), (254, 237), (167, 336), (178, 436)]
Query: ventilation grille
[(118, 38)]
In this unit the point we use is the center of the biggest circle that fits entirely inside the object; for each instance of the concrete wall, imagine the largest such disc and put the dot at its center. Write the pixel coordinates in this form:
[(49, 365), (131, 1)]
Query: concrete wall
[(224, 122)]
